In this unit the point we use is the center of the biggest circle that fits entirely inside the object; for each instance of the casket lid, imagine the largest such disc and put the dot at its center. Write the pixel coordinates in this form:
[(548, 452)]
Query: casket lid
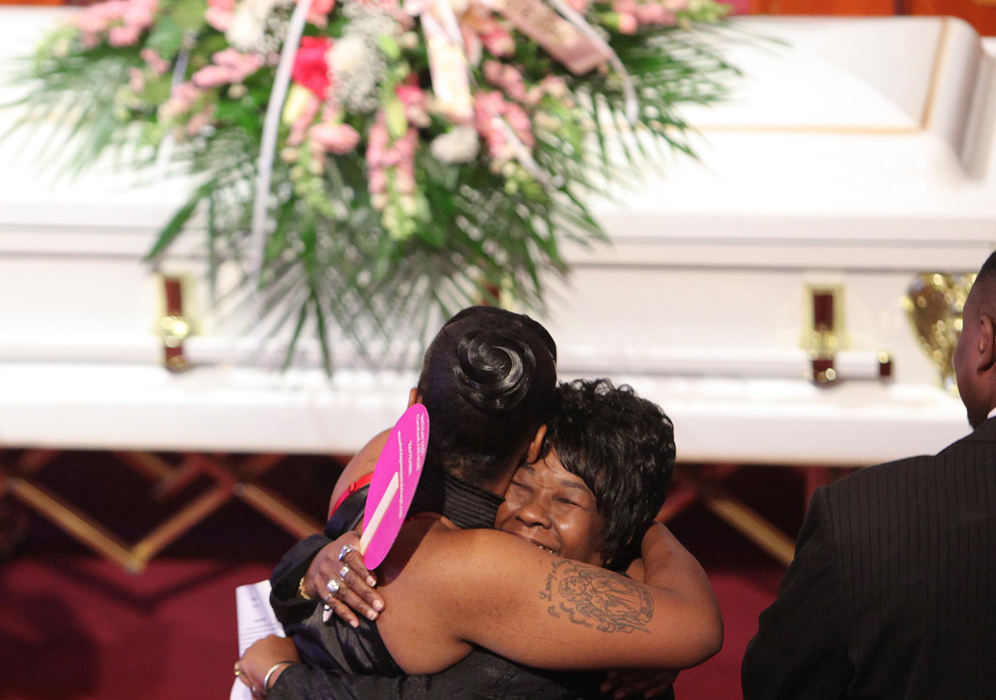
[(843, 130)]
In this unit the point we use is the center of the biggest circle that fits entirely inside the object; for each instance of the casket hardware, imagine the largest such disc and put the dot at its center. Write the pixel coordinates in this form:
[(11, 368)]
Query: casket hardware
[(934, 303), (174, 327), (824, 336)]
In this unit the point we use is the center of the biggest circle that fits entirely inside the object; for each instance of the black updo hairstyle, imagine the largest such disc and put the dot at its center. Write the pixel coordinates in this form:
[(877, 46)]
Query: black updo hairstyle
[(622, 447), (487, 382)]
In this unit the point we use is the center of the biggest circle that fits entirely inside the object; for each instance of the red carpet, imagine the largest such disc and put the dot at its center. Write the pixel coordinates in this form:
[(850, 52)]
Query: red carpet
[(74, 626)]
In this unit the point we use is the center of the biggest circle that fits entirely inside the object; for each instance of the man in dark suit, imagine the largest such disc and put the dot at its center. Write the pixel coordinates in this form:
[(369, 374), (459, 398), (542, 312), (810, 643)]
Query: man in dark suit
[(892, 593)]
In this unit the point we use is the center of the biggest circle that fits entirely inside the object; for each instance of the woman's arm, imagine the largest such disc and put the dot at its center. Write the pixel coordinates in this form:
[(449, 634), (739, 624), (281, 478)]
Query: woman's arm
[(297, 681), (494, 590)]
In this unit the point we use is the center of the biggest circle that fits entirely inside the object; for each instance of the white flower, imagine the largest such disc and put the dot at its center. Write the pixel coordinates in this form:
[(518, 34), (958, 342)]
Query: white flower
[(348, 55), (357, 67), (459, 145), (247, 31)]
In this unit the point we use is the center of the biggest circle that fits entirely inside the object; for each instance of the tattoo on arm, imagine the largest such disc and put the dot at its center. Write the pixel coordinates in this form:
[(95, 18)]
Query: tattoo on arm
[(597, 598)]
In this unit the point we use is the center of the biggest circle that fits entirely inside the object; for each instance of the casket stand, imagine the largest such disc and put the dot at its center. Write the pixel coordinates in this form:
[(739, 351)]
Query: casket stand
[(850, 158)]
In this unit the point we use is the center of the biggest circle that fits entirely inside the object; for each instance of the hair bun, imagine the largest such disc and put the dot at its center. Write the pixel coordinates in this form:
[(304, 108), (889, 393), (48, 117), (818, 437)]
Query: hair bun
[(494, 371)]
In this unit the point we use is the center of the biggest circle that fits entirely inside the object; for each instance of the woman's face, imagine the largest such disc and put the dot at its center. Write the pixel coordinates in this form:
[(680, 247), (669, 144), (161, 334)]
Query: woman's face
[(553, 509)]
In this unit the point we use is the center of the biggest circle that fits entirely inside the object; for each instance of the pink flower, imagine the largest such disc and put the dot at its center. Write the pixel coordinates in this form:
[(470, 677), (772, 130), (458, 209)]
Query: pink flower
[(378, 141), (318, 13), (304, 119), (219, 14), (211, 76), (311, 66), (229, 67), (414, 99), (140, 13), (97, 18), (471, 44), (136, 80), (627, 23), (498, 40), (241, 65), (182, 99), (507, 78), (378, 181), (200, 120), (383, 155), (489, 109), (479, 27), (335, 138), (652, 13), (155, 62), (125, 35)]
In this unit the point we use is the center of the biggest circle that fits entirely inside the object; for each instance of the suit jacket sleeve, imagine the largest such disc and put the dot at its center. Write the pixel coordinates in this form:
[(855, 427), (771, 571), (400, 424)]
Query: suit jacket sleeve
[(800, 650), (287, 606), (290, 609)]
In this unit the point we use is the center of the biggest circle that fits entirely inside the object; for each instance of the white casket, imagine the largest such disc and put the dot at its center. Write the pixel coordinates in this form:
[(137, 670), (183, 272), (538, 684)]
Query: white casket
[(852, 156)]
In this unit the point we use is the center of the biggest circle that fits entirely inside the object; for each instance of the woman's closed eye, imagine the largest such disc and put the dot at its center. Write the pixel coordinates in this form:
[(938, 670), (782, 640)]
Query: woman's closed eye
[(518, 492)]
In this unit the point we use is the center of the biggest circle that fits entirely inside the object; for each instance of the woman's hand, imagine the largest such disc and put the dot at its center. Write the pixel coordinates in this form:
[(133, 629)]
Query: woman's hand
[(638, 682), (260, 658), (337, 576)]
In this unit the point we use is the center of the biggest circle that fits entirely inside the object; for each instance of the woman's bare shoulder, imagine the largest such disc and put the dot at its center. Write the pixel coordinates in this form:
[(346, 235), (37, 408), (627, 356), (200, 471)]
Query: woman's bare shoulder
[(361, 464)]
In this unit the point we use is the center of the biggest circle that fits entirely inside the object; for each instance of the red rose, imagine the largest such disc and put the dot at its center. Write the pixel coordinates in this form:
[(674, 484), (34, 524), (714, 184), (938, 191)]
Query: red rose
[(310, 67)]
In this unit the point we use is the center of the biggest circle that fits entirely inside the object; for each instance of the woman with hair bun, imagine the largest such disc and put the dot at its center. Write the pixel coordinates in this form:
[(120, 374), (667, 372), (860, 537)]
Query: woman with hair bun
[(450, 584)]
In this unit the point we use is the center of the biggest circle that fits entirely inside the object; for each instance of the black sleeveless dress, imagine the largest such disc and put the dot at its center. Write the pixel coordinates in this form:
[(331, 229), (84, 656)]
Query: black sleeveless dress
[(345, 662)]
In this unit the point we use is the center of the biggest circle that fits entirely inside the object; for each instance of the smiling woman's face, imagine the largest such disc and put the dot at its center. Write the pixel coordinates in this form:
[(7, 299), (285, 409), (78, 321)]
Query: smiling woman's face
[(553, 509)]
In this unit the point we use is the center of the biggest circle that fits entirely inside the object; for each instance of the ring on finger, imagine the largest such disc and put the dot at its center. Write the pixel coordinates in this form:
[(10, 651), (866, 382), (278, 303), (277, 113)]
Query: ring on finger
[(343, 571), (346, 549), (333, 586)]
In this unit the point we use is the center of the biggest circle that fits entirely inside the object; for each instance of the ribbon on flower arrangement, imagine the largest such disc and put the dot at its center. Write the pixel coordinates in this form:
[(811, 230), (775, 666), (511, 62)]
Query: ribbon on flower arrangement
[(448, 65), (271, 125), (568, 37), (575, 18)]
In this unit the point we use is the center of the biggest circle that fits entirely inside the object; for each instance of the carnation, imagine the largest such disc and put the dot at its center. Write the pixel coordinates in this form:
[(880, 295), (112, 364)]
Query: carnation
[(310, 65), (335, 138)]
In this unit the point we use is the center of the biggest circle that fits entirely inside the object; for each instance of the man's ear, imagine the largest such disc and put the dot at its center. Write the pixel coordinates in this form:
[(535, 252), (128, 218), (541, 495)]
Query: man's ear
[(533, 451), (987, 343), (414, 397)]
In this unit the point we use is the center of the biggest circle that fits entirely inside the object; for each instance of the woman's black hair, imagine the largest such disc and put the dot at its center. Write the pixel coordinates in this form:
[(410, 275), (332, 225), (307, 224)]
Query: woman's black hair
[(622, 446), (487, 382)]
